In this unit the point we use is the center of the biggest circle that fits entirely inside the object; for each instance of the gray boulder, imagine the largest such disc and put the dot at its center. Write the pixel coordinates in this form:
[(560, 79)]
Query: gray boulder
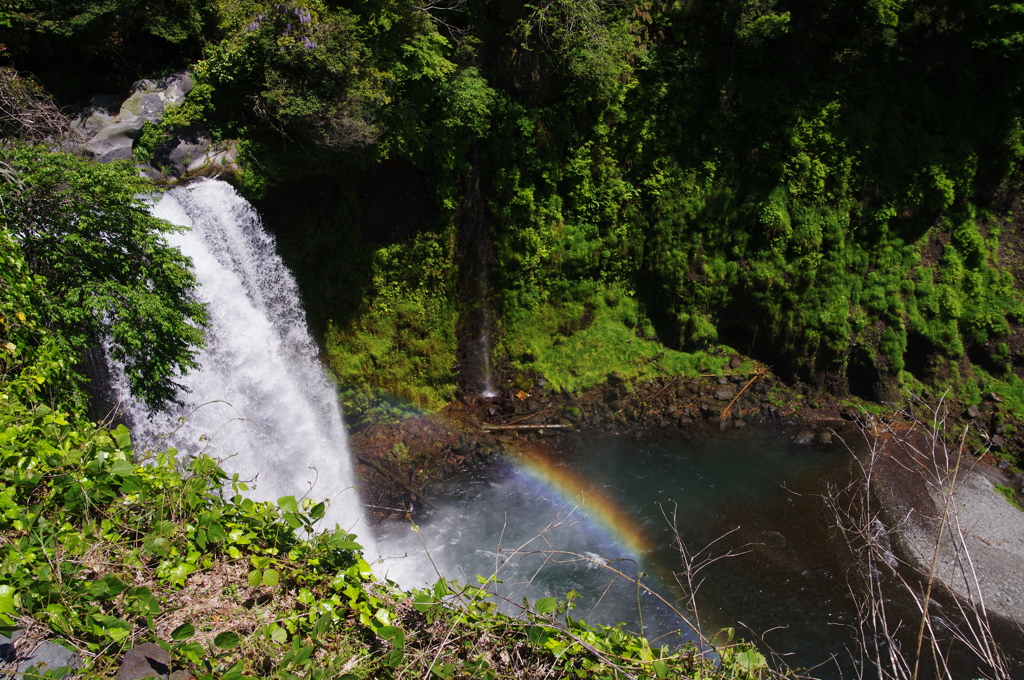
[(148, 660), (7, 646), (50, 657), (114, 142)]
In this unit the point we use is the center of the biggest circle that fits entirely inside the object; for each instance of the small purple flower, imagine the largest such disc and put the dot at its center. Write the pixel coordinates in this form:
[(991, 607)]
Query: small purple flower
[(304, 16), (253, 25), (287, 29), (308, 43)]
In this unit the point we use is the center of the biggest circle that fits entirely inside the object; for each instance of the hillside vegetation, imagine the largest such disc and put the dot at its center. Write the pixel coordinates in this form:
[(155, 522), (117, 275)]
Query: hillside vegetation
[(831, 188)]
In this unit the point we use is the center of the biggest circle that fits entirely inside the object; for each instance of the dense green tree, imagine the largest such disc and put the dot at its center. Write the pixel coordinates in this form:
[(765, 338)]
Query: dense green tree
[(101, 271)]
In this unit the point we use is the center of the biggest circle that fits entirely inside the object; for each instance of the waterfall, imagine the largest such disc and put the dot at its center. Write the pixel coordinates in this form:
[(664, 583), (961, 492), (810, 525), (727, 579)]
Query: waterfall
[(475, 248), (260, 402)]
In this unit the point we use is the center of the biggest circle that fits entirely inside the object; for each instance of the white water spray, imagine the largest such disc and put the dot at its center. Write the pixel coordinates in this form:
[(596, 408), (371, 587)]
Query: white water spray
[(260, 401)]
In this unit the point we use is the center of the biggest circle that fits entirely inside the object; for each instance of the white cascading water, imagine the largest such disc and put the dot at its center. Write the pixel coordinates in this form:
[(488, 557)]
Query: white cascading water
[(260, 402)]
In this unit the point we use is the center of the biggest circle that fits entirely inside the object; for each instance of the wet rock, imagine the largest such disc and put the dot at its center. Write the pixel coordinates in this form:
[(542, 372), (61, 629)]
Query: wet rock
[(615, 406), (1003, 464), (760, 387), (724, 424), (823, 437), (994, 396), (147, 660), (804, 438), (50, 658), (722, 380), (735, 363), (998, 443), (738, 423), (724, 394), (615, 379), (972, 412)]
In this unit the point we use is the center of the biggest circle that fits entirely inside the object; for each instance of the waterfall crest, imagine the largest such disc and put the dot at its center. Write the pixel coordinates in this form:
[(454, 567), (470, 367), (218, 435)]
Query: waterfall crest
[(260, 402)]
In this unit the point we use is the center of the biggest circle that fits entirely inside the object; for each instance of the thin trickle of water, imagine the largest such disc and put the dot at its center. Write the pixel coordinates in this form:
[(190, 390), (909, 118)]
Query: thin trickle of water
[(260, 401)]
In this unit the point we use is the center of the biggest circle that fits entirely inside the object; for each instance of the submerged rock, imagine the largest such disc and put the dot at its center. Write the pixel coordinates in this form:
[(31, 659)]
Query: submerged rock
[(804, 438)]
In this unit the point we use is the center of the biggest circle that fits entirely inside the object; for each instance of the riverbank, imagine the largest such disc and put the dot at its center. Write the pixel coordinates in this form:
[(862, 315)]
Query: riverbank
[(399, 460), (955, 508)]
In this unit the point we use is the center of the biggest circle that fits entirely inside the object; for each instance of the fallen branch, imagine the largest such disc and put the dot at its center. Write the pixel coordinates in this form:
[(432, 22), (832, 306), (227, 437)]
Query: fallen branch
[(671, 383), (488, 427), (391, 476), (544, 411), (740, 393)]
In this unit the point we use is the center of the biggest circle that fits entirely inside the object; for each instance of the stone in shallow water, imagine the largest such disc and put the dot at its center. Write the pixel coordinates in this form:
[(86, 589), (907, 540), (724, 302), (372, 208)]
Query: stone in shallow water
[(804, 438)]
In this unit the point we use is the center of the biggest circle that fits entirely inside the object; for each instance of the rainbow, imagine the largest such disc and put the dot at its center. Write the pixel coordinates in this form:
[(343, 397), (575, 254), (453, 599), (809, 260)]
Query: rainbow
[(575, 489)]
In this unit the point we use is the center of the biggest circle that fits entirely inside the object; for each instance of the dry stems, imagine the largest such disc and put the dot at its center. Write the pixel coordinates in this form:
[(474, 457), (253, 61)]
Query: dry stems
[(893, 648)]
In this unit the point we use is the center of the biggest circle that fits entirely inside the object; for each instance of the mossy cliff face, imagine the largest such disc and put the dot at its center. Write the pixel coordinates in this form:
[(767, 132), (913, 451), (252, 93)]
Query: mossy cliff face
[(830, 189), (820, 189)]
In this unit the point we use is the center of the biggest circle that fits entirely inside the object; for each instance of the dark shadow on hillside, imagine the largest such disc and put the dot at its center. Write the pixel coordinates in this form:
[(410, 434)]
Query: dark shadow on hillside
[(328, 226)]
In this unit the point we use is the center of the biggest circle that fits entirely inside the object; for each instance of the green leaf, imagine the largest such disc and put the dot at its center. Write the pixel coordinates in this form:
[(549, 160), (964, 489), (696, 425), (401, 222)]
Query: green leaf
[(341, 541), (751, 659), (255, 578), (288, 504), (215, 532), (183, 632), (322, 624), (302, 654), (423, 602), (122, 437), (233, 673), (106, 588), (660, 668), (279, 634), (193, 651), (545, 605), (227, 640), (121, 468), (271, 577), (538, 635), (7, 604), (389, 632)]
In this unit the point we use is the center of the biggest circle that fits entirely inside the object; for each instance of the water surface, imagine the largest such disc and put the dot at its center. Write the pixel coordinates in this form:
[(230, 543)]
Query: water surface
[(561, 516)]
